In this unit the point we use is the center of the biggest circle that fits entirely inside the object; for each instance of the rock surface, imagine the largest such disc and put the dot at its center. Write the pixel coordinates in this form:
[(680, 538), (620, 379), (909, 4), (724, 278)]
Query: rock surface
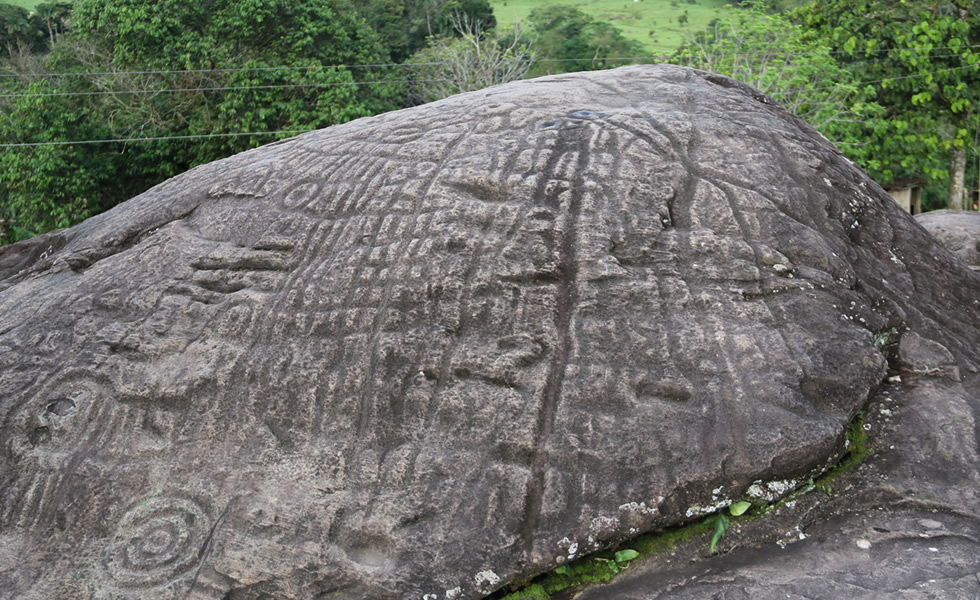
[(958, 230), (425, 354)]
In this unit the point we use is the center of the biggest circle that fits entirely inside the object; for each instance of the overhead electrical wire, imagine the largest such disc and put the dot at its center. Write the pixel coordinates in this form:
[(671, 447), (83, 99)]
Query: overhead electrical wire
[(211, 89), (316, 85), (383, 81), (156, 139), (658, 57)]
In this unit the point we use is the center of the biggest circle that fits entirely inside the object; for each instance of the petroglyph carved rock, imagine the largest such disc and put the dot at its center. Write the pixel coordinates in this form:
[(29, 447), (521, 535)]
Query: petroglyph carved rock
[(427, 353), (156, 542)]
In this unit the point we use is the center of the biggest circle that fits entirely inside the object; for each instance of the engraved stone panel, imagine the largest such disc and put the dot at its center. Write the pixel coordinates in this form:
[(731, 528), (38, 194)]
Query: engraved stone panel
[(424, 354)]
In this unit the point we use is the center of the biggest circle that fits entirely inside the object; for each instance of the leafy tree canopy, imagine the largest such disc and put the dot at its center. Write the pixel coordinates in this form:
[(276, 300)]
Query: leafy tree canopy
[(566, 39), (180, 70), (19, 31), (769, 52), (406, 25), (920, 61)]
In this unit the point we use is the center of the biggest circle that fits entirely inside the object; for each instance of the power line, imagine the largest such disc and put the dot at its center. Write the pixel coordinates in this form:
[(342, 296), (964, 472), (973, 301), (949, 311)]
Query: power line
[(295, 132), (211, 89), (309, 68), (155, 139), (903, 77), (403, 81), (662, 57), (223, 70)]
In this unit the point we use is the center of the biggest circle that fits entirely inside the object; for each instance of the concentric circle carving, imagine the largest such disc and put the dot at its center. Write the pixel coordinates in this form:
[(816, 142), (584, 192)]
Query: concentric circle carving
[(157, 541)]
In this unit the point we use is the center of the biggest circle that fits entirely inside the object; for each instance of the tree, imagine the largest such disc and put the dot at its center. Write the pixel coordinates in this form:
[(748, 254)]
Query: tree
[(471, 61), (770, 53), (50, 186), (405, 25), (187, 71), (920, 62), (19, 33), (54, 15), (566, 40)]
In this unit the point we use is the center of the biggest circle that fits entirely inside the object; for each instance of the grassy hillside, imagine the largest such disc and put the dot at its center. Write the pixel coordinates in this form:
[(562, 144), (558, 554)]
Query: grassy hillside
[(654, 23), (28, 4)]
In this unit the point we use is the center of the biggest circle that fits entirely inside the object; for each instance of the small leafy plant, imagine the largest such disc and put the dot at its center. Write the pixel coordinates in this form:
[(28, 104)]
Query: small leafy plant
[(720, 522)]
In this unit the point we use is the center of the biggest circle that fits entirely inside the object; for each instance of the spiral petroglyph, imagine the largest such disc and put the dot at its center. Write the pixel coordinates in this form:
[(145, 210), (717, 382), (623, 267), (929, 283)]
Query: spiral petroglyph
[(157, 541)]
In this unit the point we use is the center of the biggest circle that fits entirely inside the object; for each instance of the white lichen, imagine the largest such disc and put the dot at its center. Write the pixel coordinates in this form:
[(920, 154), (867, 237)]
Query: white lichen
[(600, 525), (639, 508), (486, 580), (771, 490), (700, 511), (782, 487)]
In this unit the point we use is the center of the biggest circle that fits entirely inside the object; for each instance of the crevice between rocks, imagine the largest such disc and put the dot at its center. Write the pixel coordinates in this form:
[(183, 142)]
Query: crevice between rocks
[(602, 566)]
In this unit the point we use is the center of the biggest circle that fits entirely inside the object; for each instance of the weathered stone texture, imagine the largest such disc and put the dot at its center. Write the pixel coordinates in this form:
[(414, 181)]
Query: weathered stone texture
[(958, 230), (423, 354)]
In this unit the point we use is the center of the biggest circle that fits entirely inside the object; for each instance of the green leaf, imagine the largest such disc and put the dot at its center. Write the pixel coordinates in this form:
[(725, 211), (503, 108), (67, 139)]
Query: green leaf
[(739, 508), (626, 555), (721, 527)]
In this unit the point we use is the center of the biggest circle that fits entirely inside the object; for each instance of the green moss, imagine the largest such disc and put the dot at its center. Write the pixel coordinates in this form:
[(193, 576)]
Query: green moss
[(597, 568), (667, 539), (857, 439), (602, 567), (857, 451), (531, 592)]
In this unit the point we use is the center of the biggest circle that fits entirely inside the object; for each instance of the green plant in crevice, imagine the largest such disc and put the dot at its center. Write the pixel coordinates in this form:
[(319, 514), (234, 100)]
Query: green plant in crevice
[(598, 568), (739, 508), (857, 442), (624, 556), (720, 522)]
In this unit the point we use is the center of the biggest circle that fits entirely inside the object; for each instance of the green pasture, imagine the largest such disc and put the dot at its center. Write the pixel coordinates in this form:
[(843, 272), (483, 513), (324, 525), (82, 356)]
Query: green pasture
[(28, 4), (654, 23)]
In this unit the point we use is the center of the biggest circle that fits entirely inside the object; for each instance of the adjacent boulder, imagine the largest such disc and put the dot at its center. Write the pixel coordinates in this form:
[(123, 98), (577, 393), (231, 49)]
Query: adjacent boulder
[(958, 230), (425, 354)]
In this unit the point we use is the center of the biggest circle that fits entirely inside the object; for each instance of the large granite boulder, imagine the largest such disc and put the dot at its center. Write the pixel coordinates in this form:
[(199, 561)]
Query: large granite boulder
[(958, 230), (425, 354)]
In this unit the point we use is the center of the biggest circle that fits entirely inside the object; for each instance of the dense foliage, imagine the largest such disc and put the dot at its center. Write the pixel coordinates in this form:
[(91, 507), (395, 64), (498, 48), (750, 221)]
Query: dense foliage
[(920, 63), (405, 25), (566, 39), (893, 83), (774, 55), (22, 31), (132, 70)]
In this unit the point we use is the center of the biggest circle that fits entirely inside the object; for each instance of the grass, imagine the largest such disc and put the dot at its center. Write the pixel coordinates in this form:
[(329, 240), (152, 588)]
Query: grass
[(28, 4), (653, 23)]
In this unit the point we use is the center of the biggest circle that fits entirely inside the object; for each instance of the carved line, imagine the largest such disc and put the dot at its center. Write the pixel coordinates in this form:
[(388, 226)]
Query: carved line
[(567, 294)]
